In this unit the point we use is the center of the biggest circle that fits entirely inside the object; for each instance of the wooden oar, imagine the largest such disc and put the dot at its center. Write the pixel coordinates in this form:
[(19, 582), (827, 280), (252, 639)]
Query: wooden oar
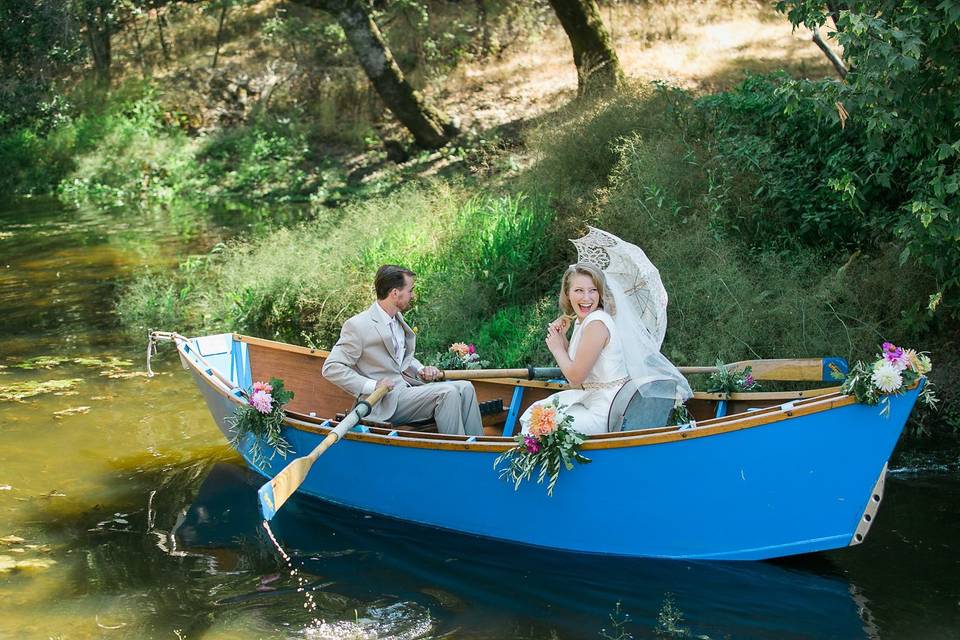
[(530, 373), (786, 369), (283, 485)]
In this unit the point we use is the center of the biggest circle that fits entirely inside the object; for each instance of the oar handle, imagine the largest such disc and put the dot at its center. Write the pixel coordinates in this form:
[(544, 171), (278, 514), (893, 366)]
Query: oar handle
[(530, 373), (362, 410)]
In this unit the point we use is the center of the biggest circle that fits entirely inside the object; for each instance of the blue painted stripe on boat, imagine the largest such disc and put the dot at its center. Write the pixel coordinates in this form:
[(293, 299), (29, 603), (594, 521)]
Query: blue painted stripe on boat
[(514, 412), (834, 368), (392, 434), (361, 428), (721, 409), (240, 365)]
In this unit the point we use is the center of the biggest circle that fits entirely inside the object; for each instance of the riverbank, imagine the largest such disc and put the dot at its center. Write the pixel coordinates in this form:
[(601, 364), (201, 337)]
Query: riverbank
[(763, 252)]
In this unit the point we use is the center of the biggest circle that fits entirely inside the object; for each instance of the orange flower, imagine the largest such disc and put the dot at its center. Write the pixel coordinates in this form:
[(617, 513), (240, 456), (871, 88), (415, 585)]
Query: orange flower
[(543, 420), (460, 349)]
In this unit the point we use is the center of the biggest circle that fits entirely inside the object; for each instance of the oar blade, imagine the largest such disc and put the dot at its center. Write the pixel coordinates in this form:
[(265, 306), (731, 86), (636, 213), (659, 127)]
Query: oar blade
[(274, 493)]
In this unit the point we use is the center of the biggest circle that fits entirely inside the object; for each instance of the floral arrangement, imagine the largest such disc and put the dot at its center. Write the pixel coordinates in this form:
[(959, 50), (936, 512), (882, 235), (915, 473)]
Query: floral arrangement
[(894, 371), (262, 416), (459, 356), (551, 444), (729, 381)]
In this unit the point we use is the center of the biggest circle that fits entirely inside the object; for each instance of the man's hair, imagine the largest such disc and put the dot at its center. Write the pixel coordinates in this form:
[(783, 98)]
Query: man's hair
[(390, 276)]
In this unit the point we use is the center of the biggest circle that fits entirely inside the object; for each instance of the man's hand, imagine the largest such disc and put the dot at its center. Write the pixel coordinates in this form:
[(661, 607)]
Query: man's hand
[(385, 382), (429, 374)]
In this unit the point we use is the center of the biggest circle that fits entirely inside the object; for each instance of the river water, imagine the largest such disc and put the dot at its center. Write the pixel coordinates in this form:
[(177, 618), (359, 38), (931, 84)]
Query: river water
[(124, 515)]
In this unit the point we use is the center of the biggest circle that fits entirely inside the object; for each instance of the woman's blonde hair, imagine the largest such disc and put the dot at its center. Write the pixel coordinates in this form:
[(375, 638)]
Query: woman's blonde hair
[(599, 281)]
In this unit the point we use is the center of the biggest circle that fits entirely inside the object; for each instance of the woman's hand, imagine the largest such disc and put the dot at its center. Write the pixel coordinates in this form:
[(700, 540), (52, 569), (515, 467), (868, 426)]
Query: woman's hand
[(557, 336), (561, 324)]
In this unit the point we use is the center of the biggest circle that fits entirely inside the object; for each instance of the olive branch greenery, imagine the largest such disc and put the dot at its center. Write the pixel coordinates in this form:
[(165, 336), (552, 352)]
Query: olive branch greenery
[(730, 381)]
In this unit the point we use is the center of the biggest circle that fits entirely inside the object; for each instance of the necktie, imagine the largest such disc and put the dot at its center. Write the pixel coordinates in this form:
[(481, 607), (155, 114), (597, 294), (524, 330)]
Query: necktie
[(397, 344)]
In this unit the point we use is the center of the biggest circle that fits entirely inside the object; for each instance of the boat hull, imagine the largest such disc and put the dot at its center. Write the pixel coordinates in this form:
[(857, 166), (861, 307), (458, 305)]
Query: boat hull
[(796, 485)]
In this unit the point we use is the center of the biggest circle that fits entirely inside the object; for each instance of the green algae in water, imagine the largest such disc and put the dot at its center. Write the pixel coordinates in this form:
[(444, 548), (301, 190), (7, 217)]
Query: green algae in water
[(19, 391), (49, 362)]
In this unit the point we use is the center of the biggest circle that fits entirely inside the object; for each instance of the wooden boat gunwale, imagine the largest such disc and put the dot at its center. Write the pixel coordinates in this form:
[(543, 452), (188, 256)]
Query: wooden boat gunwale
[(828, 399)]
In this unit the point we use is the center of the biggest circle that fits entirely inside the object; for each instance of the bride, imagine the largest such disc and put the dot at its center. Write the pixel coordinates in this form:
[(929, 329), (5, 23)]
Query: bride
[(604, 351), (593, 357)]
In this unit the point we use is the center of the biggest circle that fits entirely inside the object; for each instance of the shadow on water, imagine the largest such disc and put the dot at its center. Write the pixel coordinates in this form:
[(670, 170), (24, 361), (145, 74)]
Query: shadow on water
[(183, 547), (471, 583), (177, 546)]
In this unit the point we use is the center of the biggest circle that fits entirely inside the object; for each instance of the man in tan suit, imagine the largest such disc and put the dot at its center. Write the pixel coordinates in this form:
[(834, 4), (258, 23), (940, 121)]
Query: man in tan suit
[(376, 348)]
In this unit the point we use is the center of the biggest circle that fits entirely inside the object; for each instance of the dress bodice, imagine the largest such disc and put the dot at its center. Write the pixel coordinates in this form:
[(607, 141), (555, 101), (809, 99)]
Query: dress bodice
[(610, 365)]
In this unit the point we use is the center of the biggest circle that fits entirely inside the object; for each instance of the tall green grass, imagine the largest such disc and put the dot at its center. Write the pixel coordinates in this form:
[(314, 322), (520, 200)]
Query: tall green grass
[(640, 165)]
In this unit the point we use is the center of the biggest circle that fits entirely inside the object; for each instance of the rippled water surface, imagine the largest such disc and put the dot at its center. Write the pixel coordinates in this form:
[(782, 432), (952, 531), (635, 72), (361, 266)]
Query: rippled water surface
[(124, 515)]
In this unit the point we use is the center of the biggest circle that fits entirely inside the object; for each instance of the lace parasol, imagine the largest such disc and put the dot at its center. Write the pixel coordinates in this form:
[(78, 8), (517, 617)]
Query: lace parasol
[(628, 270)]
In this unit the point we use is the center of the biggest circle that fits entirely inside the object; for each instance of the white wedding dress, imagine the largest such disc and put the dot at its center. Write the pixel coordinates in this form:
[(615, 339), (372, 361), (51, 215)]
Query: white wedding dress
[(591, 405)]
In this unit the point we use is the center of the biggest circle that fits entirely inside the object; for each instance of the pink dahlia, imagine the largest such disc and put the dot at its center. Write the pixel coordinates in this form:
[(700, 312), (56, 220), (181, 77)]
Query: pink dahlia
[(261, 401)]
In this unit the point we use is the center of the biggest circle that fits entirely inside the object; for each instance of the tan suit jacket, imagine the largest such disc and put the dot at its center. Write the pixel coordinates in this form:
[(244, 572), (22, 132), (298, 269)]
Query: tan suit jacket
[(364, 353)]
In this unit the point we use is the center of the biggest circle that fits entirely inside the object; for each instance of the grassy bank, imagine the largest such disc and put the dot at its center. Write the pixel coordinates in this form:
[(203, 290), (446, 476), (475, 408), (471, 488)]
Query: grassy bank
[(643, 165)]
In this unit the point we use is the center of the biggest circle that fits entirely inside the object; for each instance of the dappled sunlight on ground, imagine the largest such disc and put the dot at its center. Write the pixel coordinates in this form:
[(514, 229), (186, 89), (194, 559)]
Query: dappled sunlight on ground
[(703, 53)]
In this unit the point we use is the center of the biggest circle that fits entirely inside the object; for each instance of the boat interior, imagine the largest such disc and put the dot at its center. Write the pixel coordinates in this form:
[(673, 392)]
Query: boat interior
[(243, 359)]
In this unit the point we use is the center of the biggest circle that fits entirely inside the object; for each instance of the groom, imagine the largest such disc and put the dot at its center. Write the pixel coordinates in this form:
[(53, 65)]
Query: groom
[(376, 349)]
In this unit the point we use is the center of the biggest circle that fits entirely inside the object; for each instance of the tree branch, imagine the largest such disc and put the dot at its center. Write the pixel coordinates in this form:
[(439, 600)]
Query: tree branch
[(831, 56)]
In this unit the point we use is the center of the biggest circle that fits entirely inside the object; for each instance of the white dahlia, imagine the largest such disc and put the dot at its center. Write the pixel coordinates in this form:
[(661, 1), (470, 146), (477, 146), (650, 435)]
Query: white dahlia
[(886, 377)]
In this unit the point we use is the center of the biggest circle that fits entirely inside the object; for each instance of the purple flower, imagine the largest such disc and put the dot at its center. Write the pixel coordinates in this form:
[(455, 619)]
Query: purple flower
[(261, 401), (532, 444), (471, 349), (889, 347), (748, 381)]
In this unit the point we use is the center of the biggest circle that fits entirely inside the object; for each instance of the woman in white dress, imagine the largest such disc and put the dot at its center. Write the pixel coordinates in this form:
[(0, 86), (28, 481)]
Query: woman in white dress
[(593, 359)]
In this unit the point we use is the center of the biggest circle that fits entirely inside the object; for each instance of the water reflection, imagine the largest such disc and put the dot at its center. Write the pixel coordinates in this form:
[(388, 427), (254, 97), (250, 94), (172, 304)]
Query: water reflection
[(469, 584)]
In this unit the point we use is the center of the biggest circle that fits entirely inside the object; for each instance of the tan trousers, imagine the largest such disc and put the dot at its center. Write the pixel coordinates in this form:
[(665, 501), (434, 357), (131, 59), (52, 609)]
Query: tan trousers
[(452, 404)]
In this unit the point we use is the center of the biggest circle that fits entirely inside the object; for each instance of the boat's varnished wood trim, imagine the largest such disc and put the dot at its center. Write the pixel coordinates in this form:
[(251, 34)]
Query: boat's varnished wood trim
[(438, 441), (748, 396), (281, 346)]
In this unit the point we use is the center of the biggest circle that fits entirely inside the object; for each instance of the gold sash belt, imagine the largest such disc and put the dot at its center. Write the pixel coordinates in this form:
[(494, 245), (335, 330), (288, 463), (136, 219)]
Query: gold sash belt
[(604, 385)]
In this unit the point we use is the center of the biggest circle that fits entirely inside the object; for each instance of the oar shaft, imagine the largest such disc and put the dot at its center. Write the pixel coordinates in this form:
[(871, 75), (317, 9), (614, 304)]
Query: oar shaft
[(530, 373), (275, 493)]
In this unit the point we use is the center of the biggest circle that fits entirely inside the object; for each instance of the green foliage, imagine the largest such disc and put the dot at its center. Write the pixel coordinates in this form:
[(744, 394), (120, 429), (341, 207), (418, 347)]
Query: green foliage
[(252, 162), (726, 380), (789, 164), (40, 44), (903, 98)]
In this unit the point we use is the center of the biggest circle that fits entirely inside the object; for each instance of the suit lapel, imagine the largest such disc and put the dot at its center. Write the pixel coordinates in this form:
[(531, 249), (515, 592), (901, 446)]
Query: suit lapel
[(376, 315), (409, 342)]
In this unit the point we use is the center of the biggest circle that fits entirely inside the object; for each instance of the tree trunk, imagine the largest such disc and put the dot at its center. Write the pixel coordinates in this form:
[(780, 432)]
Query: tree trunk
[(223, 15), (163, 41), (141, 56), (834, 8), (98, 25), (430, 128), (485, 40), (598, 68)]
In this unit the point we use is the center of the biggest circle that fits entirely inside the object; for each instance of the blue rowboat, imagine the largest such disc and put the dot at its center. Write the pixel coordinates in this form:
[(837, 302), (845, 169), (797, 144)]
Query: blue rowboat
[(778, 474)]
